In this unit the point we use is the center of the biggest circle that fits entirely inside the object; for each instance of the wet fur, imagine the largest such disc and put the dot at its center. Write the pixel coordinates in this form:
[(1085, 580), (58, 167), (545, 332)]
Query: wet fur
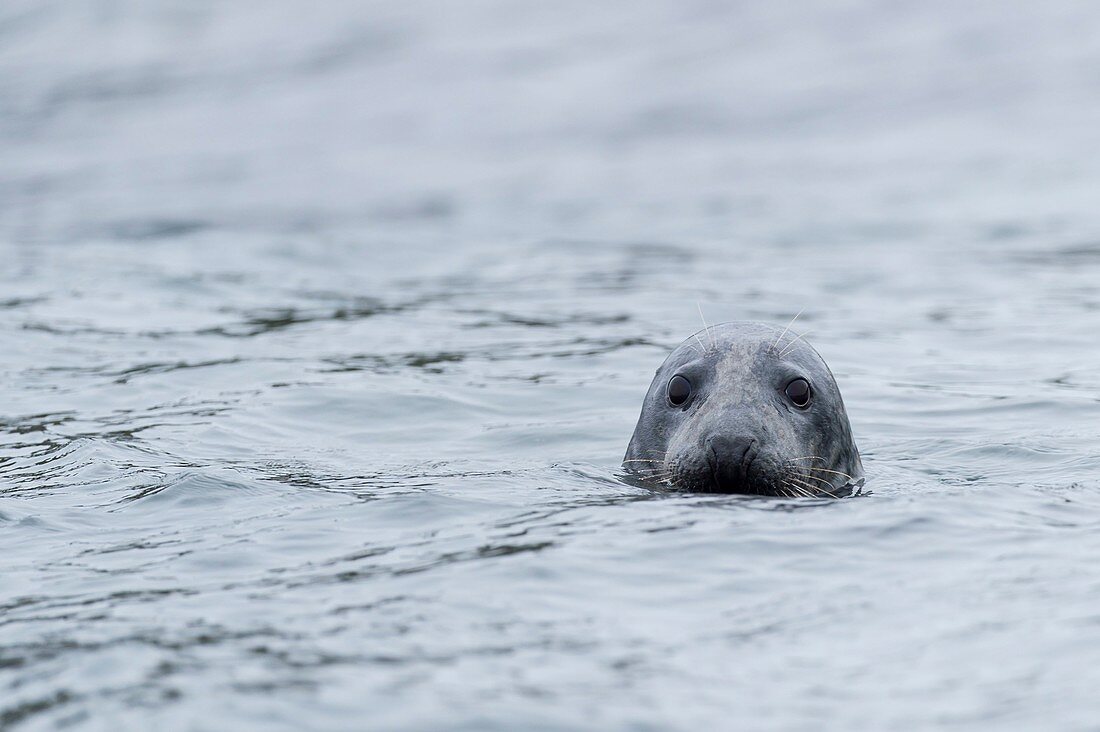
[(738, 373)]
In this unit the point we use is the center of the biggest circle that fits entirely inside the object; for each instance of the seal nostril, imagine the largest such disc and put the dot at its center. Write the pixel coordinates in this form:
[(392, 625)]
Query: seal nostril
[(729, 459)]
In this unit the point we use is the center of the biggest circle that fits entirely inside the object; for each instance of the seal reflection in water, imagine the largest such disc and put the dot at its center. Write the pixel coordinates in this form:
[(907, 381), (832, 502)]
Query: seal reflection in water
[(745, 408)]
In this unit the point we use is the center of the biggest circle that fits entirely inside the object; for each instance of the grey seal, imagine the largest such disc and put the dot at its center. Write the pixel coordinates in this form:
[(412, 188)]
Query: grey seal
[(745, 407)]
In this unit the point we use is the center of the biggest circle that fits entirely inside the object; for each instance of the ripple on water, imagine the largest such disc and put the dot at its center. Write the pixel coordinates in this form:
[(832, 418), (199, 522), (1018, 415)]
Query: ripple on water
[(315, 422)]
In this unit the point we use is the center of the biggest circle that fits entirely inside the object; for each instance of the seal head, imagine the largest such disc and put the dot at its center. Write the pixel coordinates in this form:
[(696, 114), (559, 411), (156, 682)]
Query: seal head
[(745, 408)]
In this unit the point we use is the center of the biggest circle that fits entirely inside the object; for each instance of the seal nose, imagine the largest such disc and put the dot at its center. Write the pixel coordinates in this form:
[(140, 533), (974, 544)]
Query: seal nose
[(729, 459)]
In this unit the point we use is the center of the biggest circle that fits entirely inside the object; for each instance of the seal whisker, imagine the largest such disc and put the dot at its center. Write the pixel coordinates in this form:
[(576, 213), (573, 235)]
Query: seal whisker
[(802, 491), (821, 490), (807, 457), (814, 488), (650, 471), (660, 477), (799, 486), (785, 330), (794, 490), (824, 482), (807, 476), (789, 346), (799, 491), (706, 328), (643, 460), (826, 470), (701, 344)]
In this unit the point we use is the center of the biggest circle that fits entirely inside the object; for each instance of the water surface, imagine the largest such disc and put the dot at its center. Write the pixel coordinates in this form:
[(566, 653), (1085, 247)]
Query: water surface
[(324, 328)]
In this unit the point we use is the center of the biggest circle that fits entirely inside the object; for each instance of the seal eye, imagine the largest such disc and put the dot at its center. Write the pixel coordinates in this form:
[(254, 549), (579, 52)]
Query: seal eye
[(679, 389), (798, 391)]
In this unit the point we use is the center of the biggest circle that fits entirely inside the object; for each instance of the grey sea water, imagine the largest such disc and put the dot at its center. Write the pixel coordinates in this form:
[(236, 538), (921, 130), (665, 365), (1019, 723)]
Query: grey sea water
[(324, 326)]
